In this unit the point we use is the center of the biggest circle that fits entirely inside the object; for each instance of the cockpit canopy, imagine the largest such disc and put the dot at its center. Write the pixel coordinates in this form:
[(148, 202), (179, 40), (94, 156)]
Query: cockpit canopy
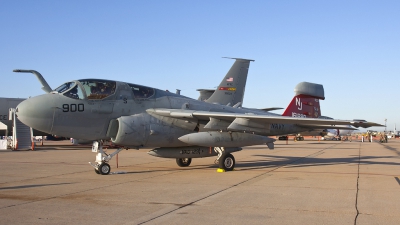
[(100, 89), (141, 92), (90, 88), (71, 90)]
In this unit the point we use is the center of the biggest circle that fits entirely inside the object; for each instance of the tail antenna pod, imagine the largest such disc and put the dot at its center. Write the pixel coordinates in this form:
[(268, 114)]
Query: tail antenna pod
[(46, 87), (251, 60)]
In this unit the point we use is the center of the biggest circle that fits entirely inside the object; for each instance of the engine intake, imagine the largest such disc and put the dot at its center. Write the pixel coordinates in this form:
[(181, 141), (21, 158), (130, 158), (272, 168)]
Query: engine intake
[(128, 131)]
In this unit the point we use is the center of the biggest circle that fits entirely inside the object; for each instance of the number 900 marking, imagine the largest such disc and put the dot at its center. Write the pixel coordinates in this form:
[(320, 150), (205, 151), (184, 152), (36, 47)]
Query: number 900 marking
[(73, 107)]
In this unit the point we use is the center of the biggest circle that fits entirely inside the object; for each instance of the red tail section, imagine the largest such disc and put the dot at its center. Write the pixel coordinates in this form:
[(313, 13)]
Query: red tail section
[(303, 106)]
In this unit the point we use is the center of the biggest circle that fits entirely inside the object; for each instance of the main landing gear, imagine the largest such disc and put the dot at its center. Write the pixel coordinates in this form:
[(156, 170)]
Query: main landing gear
[(183, 162), (101, 165), (225, 160)]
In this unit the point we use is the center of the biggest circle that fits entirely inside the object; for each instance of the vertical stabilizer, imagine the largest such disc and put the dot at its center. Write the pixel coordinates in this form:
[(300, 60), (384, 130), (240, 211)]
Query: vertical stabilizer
[(231, 89), (305, 103)]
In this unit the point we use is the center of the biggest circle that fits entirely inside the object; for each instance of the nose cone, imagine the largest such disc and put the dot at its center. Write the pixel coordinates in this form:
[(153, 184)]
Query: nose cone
[(37, 112)]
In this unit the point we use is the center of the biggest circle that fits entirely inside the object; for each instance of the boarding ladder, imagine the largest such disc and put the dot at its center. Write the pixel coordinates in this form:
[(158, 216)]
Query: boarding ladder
[(22, 134)]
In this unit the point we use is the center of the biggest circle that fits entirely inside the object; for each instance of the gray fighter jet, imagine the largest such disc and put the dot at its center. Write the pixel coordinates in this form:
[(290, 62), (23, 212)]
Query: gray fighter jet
[(136, 116)]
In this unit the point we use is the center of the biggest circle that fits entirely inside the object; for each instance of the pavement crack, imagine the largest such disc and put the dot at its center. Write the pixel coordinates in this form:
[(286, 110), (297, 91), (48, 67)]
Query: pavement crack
[(358, 179)]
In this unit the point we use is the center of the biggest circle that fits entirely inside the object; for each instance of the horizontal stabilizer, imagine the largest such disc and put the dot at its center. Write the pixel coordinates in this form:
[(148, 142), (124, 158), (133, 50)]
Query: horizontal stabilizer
[(271, 109)]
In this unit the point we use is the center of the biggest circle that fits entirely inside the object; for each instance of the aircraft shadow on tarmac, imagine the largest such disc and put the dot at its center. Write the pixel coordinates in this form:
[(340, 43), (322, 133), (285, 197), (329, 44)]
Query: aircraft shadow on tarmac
[(391, 148), (277, 161), (64, 148), (31, 186), (293, 162), (169, 169)]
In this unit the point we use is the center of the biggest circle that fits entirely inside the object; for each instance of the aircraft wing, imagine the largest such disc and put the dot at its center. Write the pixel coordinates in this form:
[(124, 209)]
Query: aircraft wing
[(251, 119), (317, 127)]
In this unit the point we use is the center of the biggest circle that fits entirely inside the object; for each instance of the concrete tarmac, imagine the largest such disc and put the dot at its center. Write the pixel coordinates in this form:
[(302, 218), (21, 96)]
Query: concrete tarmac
[(305, 182)]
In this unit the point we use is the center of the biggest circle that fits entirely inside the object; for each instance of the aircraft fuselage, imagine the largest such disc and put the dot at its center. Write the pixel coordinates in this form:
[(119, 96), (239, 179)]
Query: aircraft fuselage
[(121, 114)]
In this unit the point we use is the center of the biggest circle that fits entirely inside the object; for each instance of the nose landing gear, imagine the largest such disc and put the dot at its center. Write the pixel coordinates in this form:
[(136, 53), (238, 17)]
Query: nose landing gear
[(101, 165)]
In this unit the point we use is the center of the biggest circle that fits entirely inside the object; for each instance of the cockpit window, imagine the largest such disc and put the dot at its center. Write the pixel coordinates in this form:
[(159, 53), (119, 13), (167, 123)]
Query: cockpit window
[(98, 89), (75, 93), (64, 87), (141, 92)]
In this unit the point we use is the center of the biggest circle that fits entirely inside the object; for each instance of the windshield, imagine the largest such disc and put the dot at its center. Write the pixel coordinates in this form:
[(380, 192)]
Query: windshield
[(75, 93), (70, 90), (64, 87), (98, 89)]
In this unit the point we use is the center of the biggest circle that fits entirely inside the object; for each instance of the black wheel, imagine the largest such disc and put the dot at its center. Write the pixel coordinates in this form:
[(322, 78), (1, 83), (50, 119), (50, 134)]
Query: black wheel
[(104, 169), (183, 162), (96, 171), (227, 162)]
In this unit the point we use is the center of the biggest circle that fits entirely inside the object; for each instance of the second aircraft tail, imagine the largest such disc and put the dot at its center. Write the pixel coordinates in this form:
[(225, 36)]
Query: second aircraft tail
[(231, 89), (305, 103)]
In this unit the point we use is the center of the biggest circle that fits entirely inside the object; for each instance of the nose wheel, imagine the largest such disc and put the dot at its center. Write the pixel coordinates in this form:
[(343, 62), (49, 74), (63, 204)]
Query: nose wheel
[(101, 165), (104, 169)]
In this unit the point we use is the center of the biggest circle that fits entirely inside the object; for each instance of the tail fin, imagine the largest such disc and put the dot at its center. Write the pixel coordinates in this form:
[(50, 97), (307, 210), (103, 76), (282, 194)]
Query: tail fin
[(231, 89), (306, 101)]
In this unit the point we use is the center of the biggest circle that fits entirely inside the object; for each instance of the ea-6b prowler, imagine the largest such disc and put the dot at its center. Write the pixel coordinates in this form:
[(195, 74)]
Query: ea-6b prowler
[(136, 116)]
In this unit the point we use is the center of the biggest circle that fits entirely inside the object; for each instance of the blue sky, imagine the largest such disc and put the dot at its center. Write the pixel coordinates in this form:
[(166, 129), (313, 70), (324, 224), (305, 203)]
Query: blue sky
[(351, 47)]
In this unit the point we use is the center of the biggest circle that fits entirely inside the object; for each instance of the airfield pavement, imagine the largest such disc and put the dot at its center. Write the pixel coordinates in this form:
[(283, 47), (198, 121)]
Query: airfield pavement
[(305, 182)]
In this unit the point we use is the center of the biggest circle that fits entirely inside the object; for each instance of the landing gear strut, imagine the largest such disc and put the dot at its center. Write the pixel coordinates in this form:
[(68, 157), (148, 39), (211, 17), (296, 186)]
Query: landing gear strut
[(101, 165), (225, 160)]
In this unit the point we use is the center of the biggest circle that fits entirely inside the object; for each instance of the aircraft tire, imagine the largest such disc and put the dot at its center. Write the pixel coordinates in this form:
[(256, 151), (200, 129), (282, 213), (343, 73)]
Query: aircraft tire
[(227, 162), (183, 162), (96, 171), (104, 169)]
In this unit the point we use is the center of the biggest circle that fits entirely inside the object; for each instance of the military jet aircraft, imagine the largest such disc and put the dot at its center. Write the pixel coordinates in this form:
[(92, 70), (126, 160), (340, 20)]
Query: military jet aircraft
[(339, 133), (136, 116)]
